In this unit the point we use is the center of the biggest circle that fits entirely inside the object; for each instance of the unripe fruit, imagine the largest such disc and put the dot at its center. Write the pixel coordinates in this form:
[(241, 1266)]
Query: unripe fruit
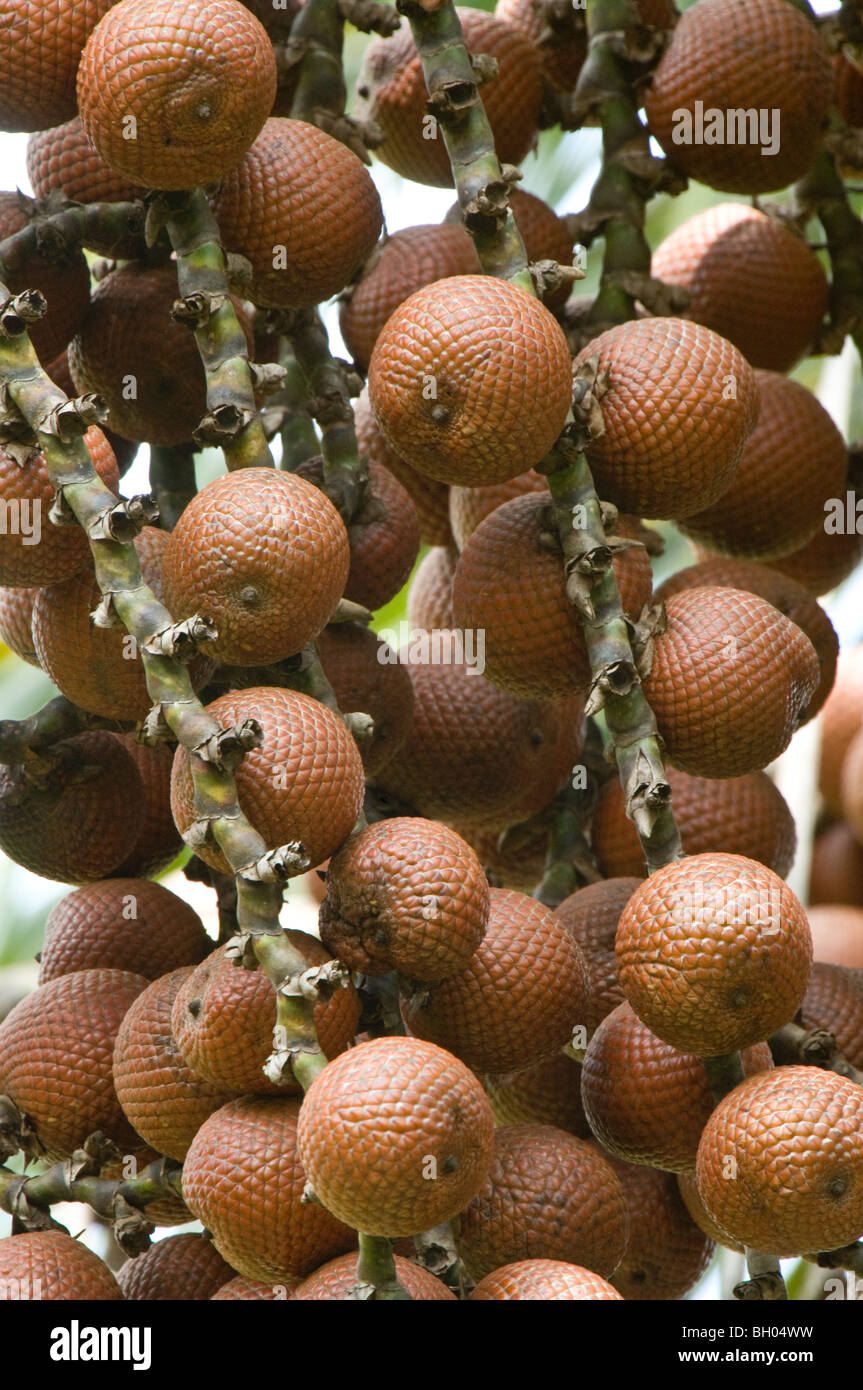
[(837, 935), (469, 506), (419, 1105), (836, 874), (430, 593), (841, 719), (733, 54), (645, 1101), (591, 915), (265, 555), (548, 1093), (334, 1282), (159, 842), (244, 1180), (365, 684), (56, 1051), (666, 1253), (731, 681), (680, 405), (470, 380), (384, 539), (302, 209), (62, 277), (714, 953), (16, 623), (430, 497), (511, 586), (122, 924), (581, 1219), (792, 1141), (834, 1001), (161, 1096), (518, 1000), (543, 1281), (194, 86), (749, 278), (240, 1287), (183, 1267), (732, 815), (59, 1267), (392, 93), (62, 160)]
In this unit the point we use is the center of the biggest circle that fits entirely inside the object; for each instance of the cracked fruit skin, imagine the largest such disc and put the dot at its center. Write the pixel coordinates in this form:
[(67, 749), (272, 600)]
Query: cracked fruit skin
[(793, 1140), (65, 1268), (714, 953), (544, 1281), (199, 82), (375, 1119), (470, 380), (733, 54), (679, 406)]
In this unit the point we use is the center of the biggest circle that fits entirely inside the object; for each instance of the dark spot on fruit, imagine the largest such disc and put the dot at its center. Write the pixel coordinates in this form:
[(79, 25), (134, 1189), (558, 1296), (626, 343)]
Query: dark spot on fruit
[(250, 596), (738, 999), (195, 1007), (450, 1164), (837, 1187), (440, 415)]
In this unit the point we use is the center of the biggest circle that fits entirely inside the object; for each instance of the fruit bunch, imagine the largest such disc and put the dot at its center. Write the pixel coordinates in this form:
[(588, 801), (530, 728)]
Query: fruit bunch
[(556, 1024)]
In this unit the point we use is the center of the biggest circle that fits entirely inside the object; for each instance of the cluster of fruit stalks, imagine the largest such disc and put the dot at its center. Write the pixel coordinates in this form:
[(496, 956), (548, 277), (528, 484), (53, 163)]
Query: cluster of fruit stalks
[(625, 46)]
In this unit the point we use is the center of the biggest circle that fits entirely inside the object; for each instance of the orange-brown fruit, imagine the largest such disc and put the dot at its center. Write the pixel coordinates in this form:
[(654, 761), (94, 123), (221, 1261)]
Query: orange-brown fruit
[(544, 234), (430, 593), (511, 586), (194, 85), (564, 51), (430, 497), (367, 679), (16, 623), (752, 55), (791, 598), (841, 720), (731, 681), (645, 1101), (223, 1019), (122, 924), (384, 536), (159, 842), (793, 459), (33, 551), (302, 208), (391, 92), (666, 1253), (834, 1001), (240, 1287), (405, 894), (824, 562), (518, 1000), (548, 1093), (836, 874), (63, 279), (62, 160), (470, 380), (714, 953), (674, 432), (162, 1097), (476, 754), (42, 46), (469, 506), (591, 914), (547, 1196), (515, 855), (851, 785), (56, 1051), (688, 1190), (244, 1179), (183, 1267), (837, 934), (265, 555), (750, 278), (416, 1103), (734, 815), (334, 1281), (304, 783), (544, 1281), (793, 1139), (53, 1267), (84, 821)]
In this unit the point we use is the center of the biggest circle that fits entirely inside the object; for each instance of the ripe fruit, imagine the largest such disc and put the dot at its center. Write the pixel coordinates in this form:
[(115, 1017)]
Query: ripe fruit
[(837, 935), (52, 1267), (265, 555), (731, 681), (62, 277), (194, 86), (456, 407), (543, 1281), (302, 209), (841, 719), (334, 1281), (825, 561), (304, 783), (417, 1104), (837, 866), (850, 785), (56, 1049), (564, 54), (384, 541), (749, 278), (468, 506), (792, 1140), (680, 405), (714, 953), (62, 160), (519, 998), (834, 1001), (43, 42), (182, 1267), (159, 843), (244, 1180), (591, 915), (515, 856), (645, 1101), (430, 593), (547, 1196), (162, 1097), (430, 498), (545, 237), (732, 815), (364, 684), (688, 1190), (84, 822), (242, 1288), (511, 586), (666, 1253), (392, 93), (16, 623), (122, 924), (223, 1019), (728, 55), (548, 1093)]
